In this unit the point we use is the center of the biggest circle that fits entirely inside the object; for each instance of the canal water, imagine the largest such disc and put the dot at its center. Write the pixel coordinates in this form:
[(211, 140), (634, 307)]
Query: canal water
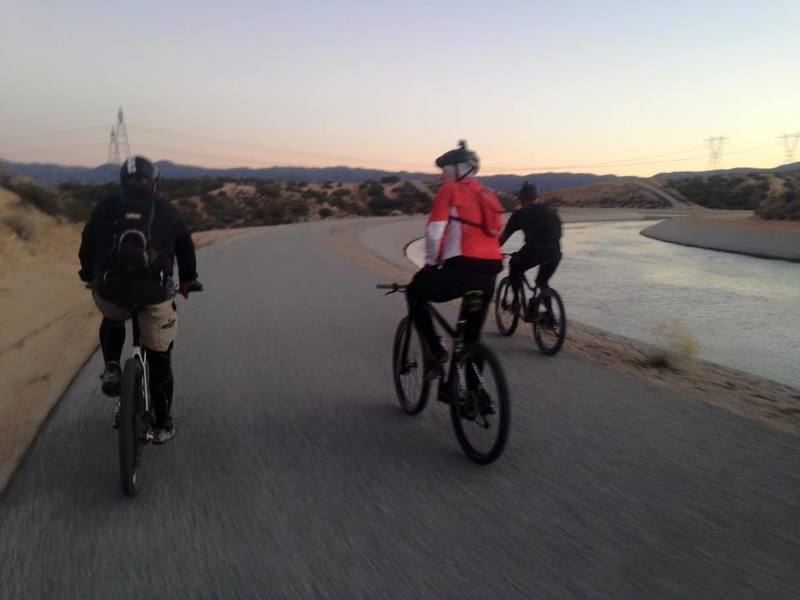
[(743, 311)]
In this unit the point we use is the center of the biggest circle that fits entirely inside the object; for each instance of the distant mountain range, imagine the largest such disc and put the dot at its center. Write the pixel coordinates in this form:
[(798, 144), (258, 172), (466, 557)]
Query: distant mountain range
[(51, 175)]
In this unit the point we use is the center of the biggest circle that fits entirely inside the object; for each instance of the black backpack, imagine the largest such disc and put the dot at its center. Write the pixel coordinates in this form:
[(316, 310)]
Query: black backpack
[(132, 254)]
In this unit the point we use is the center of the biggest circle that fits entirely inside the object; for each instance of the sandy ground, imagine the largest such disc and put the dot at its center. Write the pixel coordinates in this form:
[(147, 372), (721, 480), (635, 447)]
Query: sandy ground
[(737, 231), (48, 325), (746, 395)]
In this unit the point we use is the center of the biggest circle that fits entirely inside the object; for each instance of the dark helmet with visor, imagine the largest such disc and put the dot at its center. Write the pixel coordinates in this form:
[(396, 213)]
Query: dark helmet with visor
[(139, 177)]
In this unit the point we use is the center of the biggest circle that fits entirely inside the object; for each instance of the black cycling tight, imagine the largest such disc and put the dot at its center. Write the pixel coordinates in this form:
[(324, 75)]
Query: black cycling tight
[(112, 338), (161, 383)]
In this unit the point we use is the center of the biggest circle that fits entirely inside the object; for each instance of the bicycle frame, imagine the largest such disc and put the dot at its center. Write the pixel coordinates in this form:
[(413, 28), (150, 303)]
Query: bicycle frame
[(457, 335), (523, 301), (139, 353)]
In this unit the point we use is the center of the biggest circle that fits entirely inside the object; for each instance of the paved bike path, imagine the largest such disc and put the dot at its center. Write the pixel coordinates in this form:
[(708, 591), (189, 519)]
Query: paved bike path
[(294, 474)]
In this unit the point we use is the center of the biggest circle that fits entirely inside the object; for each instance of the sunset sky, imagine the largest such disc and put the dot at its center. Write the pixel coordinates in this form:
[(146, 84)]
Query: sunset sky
[(606, 87)]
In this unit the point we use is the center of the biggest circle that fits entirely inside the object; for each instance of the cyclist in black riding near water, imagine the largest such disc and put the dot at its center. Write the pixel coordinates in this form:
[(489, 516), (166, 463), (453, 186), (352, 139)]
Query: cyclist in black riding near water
[(542, 228), (127, 253)]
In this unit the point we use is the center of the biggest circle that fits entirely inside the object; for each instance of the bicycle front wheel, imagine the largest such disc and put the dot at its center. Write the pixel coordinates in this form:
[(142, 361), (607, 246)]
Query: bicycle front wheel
[(131, 399), (408, 368), (549, 322), (480, 408), (506, 308)]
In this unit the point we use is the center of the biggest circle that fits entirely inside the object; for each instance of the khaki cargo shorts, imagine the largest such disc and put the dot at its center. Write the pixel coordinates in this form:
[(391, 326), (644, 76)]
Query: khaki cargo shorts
[(158, 323)]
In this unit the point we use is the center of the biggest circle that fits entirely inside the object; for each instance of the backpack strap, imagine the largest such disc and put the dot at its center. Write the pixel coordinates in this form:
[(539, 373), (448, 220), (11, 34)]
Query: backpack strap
[(484, 207)]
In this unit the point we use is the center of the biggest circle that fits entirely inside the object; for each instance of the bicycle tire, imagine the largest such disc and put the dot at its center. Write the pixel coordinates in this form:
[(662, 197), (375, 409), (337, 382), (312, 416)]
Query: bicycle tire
[(558, 327), (502, 308), (129, 442), (411, 406), (466, 408)]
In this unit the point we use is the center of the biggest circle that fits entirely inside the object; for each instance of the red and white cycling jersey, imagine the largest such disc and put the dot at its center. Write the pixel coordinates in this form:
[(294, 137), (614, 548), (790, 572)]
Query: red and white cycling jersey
[(457, 225)]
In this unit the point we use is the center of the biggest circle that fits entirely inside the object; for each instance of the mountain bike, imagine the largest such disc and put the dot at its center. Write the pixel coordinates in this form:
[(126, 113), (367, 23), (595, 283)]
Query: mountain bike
[(544, 311), (136, 415), (474, 384)]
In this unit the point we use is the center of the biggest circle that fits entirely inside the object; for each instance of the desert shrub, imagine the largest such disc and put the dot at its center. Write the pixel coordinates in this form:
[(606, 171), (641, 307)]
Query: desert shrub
[(188, 213), (678, 349), (23, 223), (380, 205), (786, 206), (327, 185), (374, 189), (340, 193), (411, 200), (80, 199), (172, 189), (325, 212), (353, 208), (46, 200), (299, 209), (722, 191), (268, 189), (390, 179)]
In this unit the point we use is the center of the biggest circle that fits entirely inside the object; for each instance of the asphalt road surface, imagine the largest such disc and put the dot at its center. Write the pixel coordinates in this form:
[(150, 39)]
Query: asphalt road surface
[(295, 475)]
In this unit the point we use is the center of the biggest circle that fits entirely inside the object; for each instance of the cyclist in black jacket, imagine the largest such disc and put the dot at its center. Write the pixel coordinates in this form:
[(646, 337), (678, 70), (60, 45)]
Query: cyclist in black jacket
[(542, 228), (127, 254)]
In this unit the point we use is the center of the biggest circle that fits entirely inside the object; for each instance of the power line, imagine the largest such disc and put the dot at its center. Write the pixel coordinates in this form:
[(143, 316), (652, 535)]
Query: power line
[(44, 136), (336, 159)]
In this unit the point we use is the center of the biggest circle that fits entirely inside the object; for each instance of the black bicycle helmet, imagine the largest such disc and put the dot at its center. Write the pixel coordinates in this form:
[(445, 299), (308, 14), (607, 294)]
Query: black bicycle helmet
[(528, 191), (460, 156), (138, 176)]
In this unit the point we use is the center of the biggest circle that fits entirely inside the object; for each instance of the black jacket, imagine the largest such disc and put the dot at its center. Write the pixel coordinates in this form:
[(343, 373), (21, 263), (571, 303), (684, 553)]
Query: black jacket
[(169, 239), (540, 223)]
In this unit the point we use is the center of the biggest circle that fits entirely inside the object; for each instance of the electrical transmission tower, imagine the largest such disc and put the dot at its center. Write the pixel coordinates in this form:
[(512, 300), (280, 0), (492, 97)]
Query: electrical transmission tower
[(119, 148), (790, 141), (113, 147), (715, 146)]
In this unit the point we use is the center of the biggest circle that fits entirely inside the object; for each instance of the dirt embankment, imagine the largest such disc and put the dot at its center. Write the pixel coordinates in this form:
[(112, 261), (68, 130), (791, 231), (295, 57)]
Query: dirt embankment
[(738, 232), (48, 323), (606, 195)]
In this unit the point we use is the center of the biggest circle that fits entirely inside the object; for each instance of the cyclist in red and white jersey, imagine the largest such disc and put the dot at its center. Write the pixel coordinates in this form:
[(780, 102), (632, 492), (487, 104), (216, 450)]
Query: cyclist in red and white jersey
[(462, 250)]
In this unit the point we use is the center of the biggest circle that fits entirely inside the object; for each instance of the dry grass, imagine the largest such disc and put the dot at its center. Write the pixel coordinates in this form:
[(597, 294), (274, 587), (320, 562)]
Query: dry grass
[(678, 349), (23, 223)]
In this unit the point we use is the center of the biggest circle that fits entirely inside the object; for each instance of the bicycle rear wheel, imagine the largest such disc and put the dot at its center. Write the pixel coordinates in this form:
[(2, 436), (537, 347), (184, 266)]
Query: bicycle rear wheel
[(130, 423), (408, 368), (480, 408), (549, 322), (506, 313)]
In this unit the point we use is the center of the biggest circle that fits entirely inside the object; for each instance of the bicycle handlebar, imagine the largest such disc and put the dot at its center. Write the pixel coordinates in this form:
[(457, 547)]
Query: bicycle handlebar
[(392, 287)]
